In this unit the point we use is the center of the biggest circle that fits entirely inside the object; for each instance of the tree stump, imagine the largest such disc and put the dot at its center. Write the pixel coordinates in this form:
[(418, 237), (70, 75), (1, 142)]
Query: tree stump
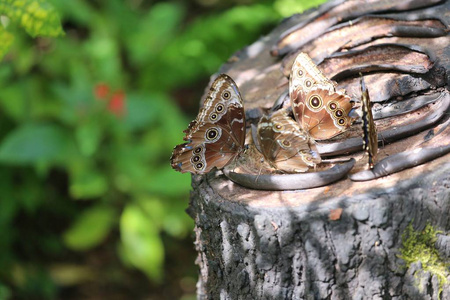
[(340, 241)]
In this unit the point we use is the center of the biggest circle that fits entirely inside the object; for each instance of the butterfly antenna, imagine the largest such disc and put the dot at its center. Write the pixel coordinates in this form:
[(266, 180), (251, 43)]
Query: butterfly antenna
[(260, 170), (382, 140), (345, 44)]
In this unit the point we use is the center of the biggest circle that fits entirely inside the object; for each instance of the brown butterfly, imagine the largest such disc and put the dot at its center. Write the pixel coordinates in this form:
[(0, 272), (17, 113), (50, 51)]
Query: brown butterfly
[(285, 145), (320, 110), (217, 135), (370, 137)]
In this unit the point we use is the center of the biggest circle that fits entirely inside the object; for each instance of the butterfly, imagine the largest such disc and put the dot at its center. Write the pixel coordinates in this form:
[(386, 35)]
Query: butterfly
[(320, 110), (285, 146), (370, 137), (217, 135)]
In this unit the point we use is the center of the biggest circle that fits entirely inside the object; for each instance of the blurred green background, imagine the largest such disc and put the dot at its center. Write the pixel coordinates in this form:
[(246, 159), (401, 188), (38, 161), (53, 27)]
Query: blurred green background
[(93, 97)]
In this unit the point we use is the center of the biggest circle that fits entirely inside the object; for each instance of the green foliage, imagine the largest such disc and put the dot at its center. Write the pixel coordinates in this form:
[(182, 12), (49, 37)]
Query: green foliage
[(90, 228), (420, 246), (34, 144), (7, 39), (141, 245), (37, 17), (88, 122), (5, 293), (35, 282), (189, 56), (288, 7)]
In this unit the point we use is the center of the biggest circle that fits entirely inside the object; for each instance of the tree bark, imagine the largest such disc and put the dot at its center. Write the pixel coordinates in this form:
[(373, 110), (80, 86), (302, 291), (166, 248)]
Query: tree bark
[(340, 241), (263, 245)]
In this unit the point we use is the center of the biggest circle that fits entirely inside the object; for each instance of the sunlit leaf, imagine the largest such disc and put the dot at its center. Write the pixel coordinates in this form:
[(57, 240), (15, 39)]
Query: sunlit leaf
[(32, 143), (6, 39), (70, 274), (90, 228), (37, 17), (153, 207), (289, 7), (141, 244), (104, 53)]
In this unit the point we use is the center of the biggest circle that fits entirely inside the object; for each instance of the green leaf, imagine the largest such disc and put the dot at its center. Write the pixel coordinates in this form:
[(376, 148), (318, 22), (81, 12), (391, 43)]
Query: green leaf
[(175, 225), (155, 30), (91, 228), (141, 244), (180, 184), (37, 17), (32, 281), (88, 136), (34, 143), (104, 52), (289, 7), (6, 39), (142, 110), (80, 12), (88, 184), (204, 45), (153, 208), (5, 292)]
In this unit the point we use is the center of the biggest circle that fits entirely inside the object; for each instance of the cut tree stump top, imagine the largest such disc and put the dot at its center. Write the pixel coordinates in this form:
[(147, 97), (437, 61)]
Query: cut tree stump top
[(342, 240), (404, 58)]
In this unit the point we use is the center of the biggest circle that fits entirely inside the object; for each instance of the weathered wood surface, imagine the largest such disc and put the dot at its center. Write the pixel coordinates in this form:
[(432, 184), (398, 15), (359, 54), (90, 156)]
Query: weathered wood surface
[(339, 241)]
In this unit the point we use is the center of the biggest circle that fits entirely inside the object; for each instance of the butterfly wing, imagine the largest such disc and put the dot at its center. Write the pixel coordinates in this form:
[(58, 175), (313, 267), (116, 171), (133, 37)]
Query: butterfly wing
[(217, 135), (284, 145), (323, 113), (318, 107), (305, 75), (370, 137)]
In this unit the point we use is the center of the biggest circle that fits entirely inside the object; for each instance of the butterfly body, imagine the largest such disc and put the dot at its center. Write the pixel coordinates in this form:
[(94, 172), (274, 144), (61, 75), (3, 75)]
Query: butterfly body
[(285, 145), (370, 137), (319, 109), (217, 135)]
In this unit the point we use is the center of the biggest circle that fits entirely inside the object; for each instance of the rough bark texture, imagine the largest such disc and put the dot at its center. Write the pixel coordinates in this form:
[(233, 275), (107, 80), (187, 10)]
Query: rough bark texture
[(341, 241), (248, 251)]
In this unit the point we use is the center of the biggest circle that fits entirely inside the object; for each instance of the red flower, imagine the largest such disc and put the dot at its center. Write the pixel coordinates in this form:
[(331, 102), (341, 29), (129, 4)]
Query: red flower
[(101, 90), (117, 103)]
